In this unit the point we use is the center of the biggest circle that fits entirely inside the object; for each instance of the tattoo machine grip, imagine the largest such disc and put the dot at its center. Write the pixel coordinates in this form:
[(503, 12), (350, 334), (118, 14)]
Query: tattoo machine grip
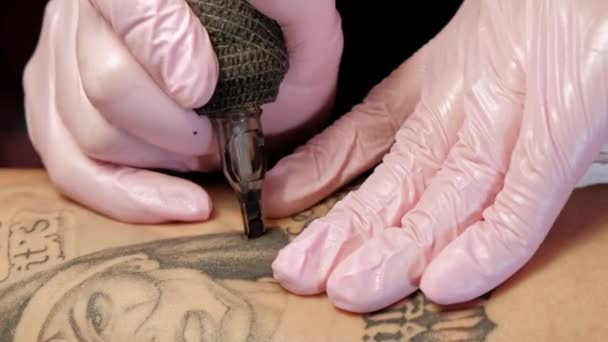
[(253, 62)]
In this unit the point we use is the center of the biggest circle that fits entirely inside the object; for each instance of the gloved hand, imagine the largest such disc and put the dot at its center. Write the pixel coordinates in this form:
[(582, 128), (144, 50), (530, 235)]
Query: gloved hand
[(509, 108), (111, 84)]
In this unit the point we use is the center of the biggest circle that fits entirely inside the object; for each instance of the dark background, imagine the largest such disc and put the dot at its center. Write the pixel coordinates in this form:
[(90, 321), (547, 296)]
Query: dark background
[(378, 37)]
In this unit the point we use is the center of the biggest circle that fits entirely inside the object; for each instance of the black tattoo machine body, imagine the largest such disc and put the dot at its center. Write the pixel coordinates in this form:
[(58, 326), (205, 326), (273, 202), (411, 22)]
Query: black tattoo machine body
[(253, 62)]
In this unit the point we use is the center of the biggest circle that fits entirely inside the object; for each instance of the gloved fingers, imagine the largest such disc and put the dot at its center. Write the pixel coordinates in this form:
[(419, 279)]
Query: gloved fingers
[(303, 266), (311, 29), (359, 140), (564, 126), (388, 267), (121, 98), (294, 15), (384, 270), (171, 44), (353, 144), (123, 193), (314, 40), (510, 232), (474, 170), (422, 144), (395, 185)]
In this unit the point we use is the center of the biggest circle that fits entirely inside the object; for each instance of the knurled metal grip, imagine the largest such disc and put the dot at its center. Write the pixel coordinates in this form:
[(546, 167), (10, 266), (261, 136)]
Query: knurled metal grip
[(251, 51)]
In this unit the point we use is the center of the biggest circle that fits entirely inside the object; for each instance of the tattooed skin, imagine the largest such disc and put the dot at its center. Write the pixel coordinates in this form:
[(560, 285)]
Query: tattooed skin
[(145, 292), (416, 319), (150, 286)]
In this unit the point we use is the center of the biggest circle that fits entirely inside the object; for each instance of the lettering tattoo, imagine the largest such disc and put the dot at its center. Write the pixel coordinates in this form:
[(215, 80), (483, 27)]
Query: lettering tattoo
[(31, 241), (416, 319), (215, 287)]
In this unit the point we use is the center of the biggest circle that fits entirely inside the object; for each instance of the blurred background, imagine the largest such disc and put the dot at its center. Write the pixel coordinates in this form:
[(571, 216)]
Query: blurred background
[(378, 37), (19, 30)]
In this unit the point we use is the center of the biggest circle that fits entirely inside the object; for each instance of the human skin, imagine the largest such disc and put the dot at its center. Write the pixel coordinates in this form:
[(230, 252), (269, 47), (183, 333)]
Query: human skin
[(558, 296)]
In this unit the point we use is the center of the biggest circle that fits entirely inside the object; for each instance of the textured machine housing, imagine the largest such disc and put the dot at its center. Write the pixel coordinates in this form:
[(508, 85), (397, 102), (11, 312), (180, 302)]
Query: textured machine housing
[(252, 55)]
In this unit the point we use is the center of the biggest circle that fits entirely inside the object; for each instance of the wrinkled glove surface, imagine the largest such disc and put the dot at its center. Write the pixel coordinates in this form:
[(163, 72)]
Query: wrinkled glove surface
[(110, 88), (490, 127)]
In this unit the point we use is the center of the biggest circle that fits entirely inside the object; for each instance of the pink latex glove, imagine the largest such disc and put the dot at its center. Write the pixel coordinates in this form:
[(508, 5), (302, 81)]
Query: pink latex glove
[(509, 108), (111, 84)]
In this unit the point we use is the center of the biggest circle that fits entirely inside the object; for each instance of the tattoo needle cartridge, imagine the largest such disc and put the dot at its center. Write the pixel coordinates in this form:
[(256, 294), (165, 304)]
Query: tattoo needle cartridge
[(253, 62), (244, 162)]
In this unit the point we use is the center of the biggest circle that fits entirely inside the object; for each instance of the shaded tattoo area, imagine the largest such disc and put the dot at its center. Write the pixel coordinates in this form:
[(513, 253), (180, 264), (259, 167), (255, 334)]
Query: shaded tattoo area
[(186, 289)]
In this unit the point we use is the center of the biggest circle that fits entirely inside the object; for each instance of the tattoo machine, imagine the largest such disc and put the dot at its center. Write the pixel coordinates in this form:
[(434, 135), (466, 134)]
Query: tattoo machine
[(253, 62)]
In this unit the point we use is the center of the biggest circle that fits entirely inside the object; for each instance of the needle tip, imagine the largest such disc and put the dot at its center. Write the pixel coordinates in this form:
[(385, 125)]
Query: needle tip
[(253, 220)]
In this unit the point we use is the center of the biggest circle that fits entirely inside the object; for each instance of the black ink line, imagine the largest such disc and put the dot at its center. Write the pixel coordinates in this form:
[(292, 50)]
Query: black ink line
[(55, 238), (75, 326), (158, 299), (39, 262), (28, 253), (46, 224)]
